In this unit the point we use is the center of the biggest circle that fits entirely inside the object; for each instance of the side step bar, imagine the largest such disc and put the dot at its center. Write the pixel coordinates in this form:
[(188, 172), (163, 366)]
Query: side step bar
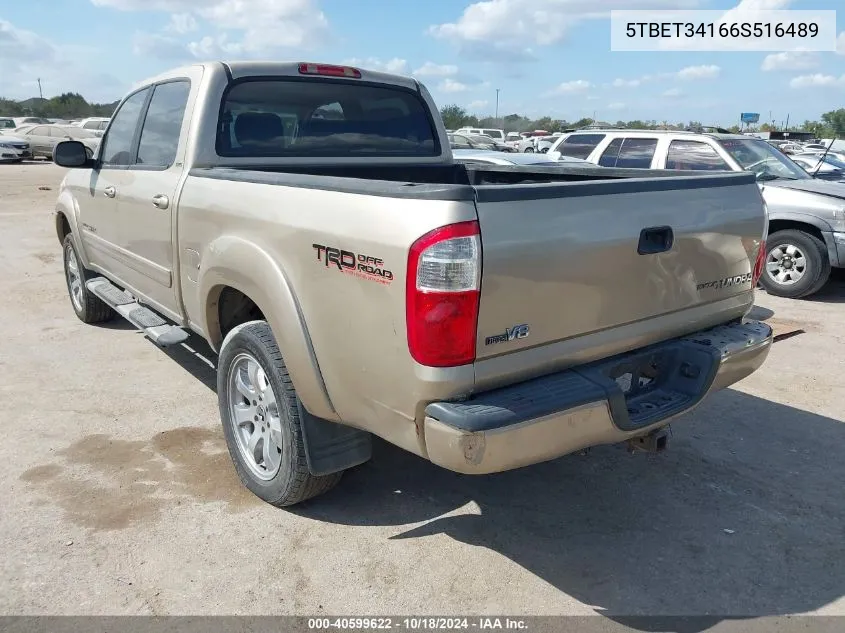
[(151, 324)]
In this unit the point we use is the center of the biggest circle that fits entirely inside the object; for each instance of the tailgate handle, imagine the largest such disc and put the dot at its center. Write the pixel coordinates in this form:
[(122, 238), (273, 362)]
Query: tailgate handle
[(655, 239)]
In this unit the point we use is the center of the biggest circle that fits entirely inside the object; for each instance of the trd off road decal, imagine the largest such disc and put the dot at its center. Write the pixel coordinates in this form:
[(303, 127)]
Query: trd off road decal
[(354, 264)]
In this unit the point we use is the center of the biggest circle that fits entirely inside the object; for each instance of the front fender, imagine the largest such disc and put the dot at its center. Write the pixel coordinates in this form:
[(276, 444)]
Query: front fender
[(67, 209), (236, 263)]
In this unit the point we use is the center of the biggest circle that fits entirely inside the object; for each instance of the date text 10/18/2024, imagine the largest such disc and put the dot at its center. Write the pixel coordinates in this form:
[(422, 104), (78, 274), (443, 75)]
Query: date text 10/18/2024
[(418, 623)]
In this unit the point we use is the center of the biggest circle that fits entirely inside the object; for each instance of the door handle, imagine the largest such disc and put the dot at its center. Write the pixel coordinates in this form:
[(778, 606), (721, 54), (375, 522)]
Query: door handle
[(160, 201), (109, 192), (655, 239)]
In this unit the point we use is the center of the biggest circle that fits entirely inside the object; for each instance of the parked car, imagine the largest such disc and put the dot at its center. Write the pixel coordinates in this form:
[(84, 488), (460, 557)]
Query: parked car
[(29, 120), (828, 169), (806, 215), (495, 134), (93, 124), (515, 158), (13, 149), (477, 141), (378, 311), (43, 138), (7, 123)]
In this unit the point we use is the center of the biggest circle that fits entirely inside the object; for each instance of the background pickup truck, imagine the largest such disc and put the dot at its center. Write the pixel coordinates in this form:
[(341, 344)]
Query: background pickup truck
[(310, 223)]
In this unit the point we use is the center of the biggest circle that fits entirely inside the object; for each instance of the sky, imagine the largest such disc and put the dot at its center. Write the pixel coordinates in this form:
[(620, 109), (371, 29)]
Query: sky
[(546, 57)]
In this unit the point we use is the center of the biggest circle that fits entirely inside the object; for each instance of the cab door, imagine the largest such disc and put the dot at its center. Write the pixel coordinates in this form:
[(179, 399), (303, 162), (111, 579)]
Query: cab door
[(100, 227), (147, 199)]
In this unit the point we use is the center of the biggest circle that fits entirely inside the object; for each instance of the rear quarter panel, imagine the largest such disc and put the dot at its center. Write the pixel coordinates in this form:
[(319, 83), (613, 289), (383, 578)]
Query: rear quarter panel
[(355, 321)]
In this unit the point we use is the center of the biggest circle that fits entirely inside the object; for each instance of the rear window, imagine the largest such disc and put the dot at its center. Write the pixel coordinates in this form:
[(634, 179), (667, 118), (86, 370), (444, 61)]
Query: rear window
[(694, 155), (579, 145), (293, 118)]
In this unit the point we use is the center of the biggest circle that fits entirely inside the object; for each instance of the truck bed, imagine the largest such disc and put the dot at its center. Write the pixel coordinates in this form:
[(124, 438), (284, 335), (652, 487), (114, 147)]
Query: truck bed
[(464, 182)]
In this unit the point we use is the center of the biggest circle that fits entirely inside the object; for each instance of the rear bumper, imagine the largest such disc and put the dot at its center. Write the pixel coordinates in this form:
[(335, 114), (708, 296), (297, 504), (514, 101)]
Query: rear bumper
[(554, 415)]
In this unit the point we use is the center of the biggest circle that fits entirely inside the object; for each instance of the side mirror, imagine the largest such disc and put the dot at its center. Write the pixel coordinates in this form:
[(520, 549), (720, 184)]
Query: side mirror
[(71, 154)]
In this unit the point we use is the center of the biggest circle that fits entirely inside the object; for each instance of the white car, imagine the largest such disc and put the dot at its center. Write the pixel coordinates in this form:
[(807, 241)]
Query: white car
[(95, 124), (496, 135), (13, 149), (502, 158)]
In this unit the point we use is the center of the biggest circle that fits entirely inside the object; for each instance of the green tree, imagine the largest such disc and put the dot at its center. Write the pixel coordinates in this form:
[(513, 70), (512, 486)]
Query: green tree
[(582, 123), (836, 121), (454, 116)]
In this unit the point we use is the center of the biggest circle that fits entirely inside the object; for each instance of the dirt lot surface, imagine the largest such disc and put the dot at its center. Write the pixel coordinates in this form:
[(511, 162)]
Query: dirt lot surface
[(118, 495)]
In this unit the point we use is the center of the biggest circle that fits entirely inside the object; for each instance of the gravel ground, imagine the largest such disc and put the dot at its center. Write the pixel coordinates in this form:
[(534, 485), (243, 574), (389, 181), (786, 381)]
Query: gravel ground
[(119, 496)]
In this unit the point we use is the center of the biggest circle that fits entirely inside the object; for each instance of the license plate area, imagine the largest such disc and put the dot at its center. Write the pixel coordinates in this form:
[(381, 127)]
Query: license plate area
[(650, 385)]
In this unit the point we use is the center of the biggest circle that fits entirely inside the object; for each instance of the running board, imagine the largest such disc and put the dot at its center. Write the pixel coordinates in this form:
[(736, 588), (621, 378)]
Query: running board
[(151, 324)]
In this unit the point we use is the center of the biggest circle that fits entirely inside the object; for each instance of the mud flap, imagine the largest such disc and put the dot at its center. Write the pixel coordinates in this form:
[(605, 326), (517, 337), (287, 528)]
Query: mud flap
[(331, 447)]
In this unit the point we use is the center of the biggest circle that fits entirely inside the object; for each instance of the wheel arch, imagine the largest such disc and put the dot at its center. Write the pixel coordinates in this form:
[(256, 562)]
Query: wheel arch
[(65, 217), (235, 270)]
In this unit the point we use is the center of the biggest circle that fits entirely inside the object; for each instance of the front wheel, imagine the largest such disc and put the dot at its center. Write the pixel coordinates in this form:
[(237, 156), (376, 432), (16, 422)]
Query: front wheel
[(89, 308), (529, 150), (797, 264), (260, 415)]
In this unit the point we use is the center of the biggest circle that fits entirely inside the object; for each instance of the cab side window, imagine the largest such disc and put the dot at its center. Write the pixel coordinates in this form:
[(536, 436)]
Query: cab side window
[(163, 124), (694, 155)]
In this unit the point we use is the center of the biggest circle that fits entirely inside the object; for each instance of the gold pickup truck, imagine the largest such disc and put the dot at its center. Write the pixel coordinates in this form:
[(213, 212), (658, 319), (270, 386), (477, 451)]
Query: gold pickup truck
[(309, 222)]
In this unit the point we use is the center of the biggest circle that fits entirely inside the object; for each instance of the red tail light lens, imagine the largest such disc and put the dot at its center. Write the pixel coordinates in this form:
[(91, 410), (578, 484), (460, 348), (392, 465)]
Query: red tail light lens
[(442, 295), (329, 71), (759, 264)]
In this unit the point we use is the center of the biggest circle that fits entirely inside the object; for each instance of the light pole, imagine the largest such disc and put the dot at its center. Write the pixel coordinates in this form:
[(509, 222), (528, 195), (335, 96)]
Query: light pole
[(497, 106)]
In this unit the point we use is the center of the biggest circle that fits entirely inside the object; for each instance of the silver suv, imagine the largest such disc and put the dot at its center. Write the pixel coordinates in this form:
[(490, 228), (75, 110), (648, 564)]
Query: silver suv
[(806, 215)]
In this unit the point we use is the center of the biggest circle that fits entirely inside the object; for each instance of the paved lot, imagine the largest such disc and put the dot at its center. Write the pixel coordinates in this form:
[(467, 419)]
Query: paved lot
[(118, 496)]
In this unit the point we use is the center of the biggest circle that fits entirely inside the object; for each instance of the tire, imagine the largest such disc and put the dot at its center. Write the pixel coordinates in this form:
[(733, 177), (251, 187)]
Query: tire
[(289, 482), (529, 150), (794, 246), (87, 306)]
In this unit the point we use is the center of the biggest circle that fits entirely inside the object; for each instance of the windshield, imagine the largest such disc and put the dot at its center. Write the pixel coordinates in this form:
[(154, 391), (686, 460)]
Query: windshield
[(832, 160), (763, 159)]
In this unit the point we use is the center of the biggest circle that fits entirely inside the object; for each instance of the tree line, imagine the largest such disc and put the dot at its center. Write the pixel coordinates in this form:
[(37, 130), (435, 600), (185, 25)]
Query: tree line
[(831, 124), (70, 105)]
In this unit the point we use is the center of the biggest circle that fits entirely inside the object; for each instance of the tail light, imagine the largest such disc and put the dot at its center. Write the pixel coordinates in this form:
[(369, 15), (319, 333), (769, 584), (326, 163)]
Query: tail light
[(442, 295), (759, 263), (329, 71)]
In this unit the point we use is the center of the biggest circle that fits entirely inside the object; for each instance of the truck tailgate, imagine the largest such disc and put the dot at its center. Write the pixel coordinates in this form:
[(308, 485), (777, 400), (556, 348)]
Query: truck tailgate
[(564, 261)]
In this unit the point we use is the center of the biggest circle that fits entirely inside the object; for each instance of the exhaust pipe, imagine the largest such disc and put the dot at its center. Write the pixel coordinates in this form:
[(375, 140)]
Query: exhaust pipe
[(655, 442)]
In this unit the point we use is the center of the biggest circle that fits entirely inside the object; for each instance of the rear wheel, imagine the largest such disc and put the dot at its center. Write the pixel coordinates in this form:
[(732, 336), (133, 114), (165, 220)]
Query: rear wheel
[(797, 264), (87, 306), (259, 410), (529, 150)]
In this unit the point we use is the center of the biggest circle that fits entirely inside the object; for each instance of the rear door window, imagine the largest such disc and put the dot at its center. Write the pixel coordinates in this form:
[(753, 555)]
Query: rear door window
[(611, 153), (163, 124), (633, 153), (314, 118), (694, 155), (580, 145)]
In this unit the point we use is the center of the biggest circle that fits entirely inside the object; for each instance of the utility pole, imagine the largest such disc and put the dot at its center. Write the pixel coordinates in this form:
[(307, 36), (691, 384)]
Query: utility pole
[(497, 106), (40, 94)]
